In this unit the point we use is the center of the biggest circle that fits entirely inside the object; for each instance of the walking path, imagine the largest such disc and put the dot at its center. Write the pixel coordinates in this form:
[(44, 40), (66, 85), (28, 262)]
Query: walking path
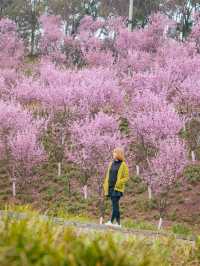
[(101, 228)]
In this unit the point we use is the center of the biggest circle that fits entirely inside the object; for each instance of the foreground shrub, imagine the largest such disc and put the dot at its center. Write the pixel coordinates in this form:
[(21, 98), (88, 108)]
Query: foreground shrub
[(35, 241)]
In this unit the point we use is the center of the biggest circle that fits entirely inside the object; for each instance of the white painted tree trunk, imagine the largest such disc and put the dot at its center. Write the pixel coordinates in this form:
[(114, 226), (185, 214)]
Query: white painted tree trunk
[(165, 31), (131, 8), (149, 192), (59, 169), (63, 138), (62, 143), (101, 220), (160, 223), (14, 188), (137, 170), (193, 156), (85, 192)]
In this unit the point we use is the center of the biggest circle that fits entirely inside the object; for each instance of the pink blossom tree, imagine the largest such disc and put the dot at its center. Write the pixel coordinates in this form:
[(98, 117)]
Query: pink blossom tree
[(166, 170), (136, 50), (71, 95), (152, 119), (93, 141), (55, 95), (71, 50), (11, 46), (55, 46), (187, 98), (92, 45), (109, 41), (147, 39), (67, 95), (8, 80), (13, 121), (98, 90), (52, 37), (25, 152)]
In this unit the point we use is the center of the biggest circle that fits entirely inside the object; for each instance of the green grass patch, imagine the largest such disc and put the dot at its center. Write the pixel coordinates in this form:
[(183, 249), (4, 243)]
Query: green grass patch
[(142, 225), (181, 229)]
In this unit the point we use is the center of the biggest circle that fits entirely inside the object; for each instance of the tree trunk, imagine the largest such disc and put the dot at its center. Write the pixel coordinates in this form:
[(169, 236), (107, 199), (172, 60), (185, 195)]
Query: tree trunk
[(14, 188), (85, 191), (165, 31), (137, 170), (59, 169), (66, 28), (101, 207), (62, 137), (162, 207), (33, 26), (101, 201), (69, 186), (193, 156), (32, 41), (130, 22), (149, 192), (101, 220), (160, 223)]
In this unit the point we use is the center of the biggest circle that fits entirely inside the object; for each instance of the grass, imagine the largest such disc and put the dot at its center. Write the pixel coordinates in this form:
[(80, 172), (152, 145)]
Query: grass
[(142, 225), (181, 229), (178, 229), (33, 241), (70, 217)]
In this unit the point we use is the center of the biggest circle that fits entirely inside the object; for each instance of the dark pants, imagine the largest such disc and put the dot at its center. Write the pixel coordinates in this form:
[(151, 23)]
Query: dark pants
[(115, 209)]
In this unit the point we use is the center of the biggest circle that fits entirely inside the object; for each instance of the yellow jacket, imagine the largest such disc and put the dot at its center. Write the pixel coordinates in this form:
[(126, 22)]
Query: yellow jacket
[(122, 178)]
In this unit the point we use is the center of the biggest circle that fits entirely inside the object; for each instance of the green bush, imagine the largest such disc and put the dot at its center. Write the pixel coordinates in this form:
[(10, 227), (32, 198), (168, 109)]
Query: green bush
[(33, 241), (192, 173)]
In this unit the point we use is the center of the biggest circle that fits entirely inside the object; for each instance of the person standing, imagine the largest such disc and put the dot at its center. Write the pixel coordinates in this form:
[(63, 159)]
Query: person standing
[(114, 184)]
